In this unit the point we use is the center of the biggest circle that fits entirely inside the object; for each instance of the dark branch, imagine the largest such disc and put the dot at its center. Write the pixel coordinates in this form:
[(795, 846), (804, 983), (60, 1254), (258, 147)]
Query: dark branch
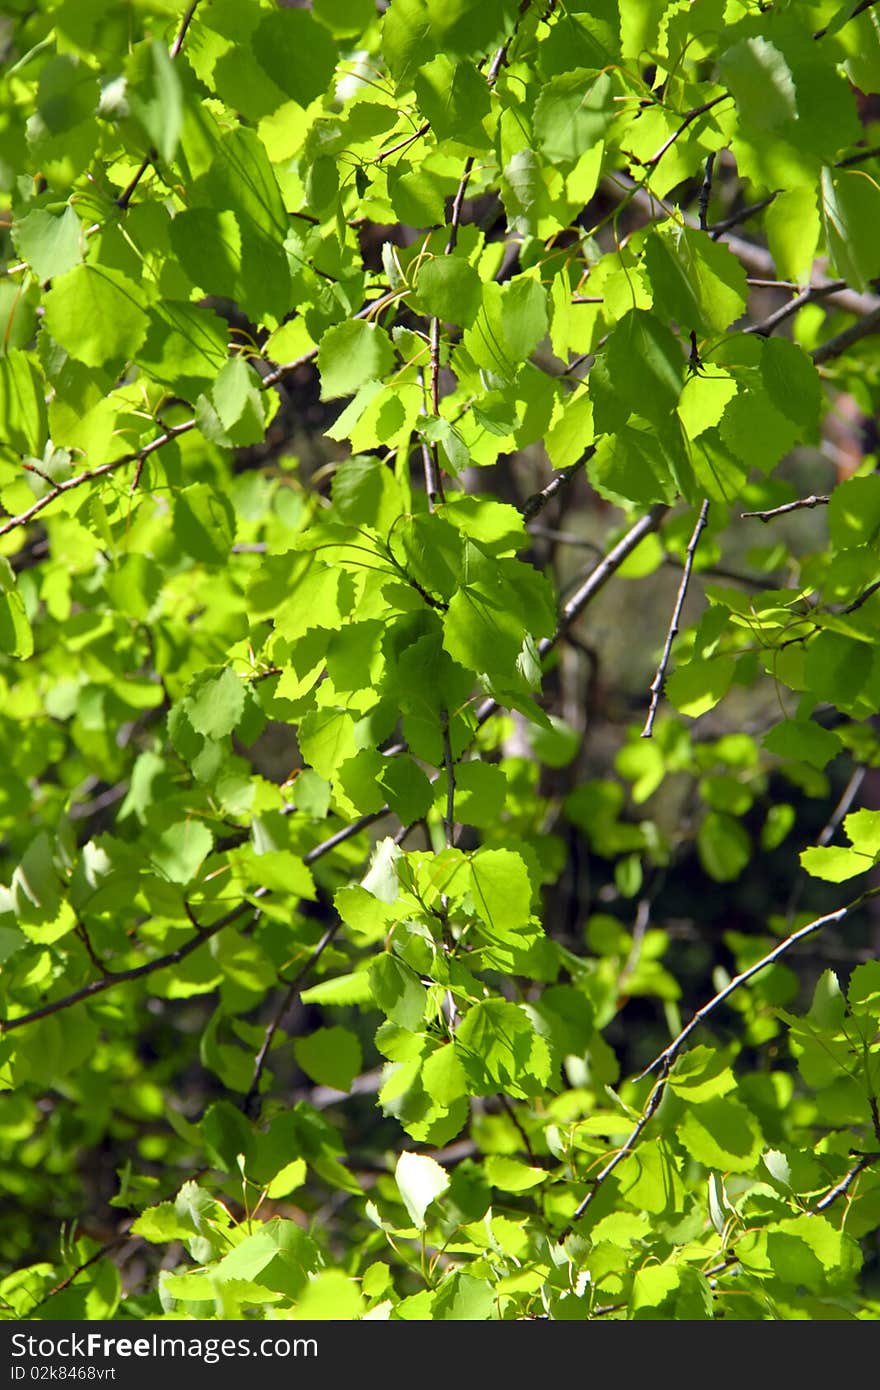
[(660, 678)]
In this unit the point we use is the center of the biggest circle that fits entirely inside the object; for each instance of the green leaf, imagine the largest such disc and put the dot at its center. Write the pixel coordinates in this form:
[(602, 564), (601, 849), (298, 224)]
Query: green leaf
[(863, 829), (721, 1133), (96, 314), (351, 354), (854, 512), (179, 850), (696, 688), (23, 414), (761, 82), (724, 846), (850, 209), (645, 364), (791, 381), (500, 1050), (501, 892), (51, 242), (156, 99), (343, 990), (16, 635), (296, 52), (218, 704), (420, 1181), (330, 1056), (695, 280), (235, 412), (449, 288), (805, 740), (454, 97), (204, 523), (398, 991), (834, 864), (572, 113)]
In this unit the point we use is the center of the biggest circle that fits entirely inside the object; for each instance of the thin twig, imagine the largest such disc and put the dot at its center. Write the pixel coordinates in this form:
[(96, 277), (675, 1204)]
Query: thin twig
[(85, 477), (125, 197), (644, 1119), (737, 218), (287, 1000), (514, 1120), (859, 9), (807, 296), (431, 453), (80, 1269), (662, 1063), (817, 500), (449, 766), (538, 501), (706, 192), (686, 120), (660, 678), (841, 1188), (858, 158), (82, 933), (402, 144), (668, 1055), (501, 55), (119, 977), (756, 259), (836, 346), (862, 598)]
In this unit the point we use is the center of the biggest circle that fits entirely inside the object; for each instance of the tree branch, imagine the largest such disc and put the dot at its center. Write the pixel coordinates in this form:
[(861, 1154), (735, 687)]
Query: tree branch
[(859, 9), (125, 198), (817, 500), (867, 326), (841, 1188), (77, 481), (664, 1060), (669, 1054), (660, 678), (686, 120), (248, 1104), (118, 977)]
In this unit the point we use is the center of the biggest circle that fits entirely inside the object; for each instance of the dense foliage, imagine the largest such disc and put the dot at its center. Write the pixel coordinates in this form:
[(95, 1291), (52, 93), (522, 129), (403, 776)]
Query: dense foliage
[(382, 391)]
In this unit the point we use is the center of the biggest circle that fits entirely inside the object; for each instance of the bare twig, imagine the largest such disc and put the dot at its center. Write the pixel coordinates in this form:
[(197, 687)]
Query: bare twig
[(514, 1120), (601, 1177), (858, 158), (817, 500), (125, 197), (665, 1058), (402, 144), (118, 977), (662, 1063), (841, 1188), (862, 598), (660, 678), (706, 192), (85, 477), (292, 989), (756, 259), (430, 453), (449, 766), (686, 120), (839, 344), (807, 296), (737, 218), (501, 55), (859, 9), (538, 501)]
